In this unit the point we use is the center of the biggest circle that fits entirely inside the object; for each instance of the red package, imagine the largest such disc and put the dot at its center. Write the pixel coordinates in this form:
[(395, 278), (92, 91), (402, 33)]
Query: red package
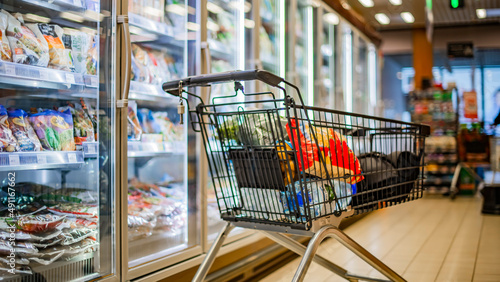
[(75, 210), (341, 161), (39, 223)]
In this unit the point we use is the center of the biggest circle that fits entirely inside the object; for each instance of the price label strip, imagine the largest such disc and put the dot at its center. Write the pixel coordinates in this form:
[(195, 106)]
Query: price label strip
[(72, 158), (14, 160), (10, 70), (41, 159), (92, 149)]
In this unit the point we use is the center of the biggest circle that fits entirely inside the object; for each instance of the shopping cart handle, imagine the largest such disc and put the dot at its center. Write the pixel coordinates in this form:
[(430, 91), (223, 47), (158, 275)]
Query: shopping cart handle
[(208, 79)]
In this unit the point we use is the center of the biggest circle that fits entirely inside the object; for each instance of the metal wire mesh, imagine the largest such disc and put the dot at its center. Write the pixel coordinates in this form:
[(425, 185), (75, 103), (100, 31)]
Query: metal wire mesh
[(276, 162)]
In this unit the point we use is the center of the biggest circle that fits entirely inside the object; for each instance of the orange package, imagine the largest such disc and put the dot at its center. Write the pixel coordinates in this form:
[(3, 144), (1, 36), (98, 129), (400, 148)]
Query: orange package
[(339, 158)]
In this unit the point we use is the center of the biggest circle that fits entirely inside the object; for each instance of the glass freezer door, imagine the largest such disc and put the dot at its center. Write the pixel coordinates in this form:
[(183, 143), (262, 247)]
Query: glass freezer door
[(56, 146), (162, 221)]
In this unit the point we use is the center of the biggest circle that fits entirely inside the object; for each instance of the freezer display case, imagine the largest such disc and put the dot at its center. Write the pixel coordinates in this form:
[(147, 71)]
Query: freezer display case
[(56, 146), (300, 48), (227, 24), (326, 47), (162, 221), (361, 85), (271, 35)]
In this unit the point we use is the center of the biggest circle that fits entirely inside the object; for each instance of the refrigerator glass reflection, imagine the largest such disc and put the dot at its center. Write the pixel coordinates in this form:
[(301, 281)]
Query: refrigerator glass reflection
[(325, 78), (56, 145), (361, 95), (226, 31), (159, 208)]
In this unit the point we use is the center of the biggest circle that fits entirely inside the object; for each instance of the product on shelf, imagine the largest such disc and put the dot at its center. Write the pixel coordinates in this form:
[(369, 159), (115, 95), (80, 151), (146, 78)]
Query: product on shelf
[(92, 59), (60, 57), (39, 222), (79, 43), (83, 127), (54, 129), (5, 52), (134, 130), (75, 210), (26, 47), (22, 130), (7, 141)]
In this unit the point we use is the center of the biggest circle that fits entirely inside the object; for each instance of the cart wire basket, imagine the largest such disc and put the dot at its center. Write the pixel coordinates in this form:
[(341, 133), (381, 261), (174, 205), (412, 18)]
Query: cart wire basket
[(279, 166)]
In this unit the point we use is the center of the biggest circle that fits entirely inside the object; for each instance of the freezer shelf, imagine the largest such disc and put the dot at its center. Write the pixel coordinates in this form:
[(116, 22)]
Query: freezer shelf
[(32, 76), (148, 92), (220, 51), (47, 159), (151, 149)]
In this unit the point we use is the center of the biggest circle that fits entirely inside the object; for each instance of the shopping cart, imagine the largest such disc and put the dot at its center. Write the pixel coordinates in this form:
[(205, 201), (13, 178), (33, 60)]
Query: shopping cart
[(281, 167)]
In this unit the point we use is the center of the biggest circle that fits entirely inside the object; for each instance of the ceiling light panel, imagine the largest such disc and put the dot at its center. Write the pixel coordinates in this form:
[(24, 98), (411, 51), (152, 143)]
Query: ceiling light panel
[(407, 17), (481, 13), (396, 2), (382, 18), (366, 3)]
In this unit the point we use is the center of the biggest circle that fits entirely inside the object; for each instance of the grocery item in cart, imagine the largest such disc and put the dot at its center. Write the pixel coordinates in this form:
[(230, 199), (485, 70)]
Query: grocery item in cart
[(74, 210), (5, 52), (26, 47), (54, 129), (22, 130), (7, 141), (339, 158)]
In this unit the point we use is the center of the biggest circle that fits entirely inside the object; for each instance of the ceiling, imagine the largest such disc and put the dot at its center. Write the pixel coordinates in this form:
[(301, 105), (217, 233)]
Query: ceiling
[(444, 15)]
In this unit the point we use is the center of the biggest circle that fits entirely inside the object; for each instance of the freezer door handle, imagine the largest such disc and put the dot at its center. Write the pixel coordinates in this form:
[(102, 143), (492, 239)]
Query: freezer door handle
[(123, 21)]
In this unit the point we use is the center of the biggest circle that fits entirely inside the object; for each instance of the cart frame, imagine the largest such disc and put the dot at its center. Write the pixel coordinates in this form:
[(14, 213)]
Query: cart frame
[(318, 227)]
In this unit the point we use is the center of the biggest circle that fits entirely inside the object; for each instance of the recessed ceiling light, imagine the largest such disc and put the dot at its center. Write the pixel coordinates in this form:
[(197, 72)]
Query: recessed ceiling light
[(331, 18), (382, 18), (366, 3), (481, 13), (396, 2), (407, 17)]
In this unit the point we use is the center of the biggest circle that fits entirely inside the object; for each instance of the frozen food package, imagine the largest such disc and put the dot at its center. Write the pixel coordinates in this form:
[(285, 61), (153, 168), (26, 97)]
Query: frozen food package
[(140, 70), (54, 130), (71, 236), (39, 222), (139, 227), (26, 47), (8, 143), (32, 237), (5, 52), (17, 261), (18, 269), (19, 247), (47, 243), (340, 159), (79, 42), (87, 245), (91, 61), (22, 131), (46, 260), (67, 62), (75, 222), (135, 131), (84, 129), (59, 57), (74, 210)]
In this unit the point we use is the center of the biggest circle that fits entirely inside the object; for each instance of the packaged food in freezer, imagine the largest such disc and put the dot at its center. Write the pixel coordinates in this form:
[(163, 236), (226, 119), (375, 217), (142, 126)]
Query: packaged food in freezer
[(54, 129), (46, 260), (87, 245), (82, 124), (47, 243), (71, 236), (134, 127), (75, 222), (32, 237), (5, 269), (7, 141), (5, 52), (26, 47), (59, 57), (139, 227), (19, 247), (67, 62), (74, 210), (17, 261), (142, 64), (79, 42), (39, 222), (92, 59), (22, 131)]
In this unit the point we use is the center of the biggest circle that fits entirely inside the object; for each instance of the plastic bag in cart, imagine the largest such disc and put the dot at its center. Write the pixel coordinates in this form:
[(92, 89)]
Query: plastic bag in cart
[(340, 160)]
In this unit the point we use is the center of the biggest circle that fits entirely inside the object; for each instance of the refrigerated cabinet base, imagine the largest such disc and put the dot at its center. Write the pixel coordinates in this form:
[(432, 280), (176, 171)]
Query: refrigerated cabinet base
[(308, 253)]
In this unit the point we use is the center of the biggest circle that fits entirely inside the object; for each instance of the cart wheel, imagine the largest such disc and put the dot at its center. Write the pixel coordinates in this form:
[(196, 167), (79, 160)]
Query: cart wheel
[(453, 193)]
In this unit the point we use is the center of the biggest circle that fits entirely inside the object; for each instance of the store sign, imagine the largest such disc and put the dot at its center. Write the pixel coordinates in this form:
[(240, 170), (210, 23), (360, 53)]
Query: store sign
[(461, 50), (470, 104)]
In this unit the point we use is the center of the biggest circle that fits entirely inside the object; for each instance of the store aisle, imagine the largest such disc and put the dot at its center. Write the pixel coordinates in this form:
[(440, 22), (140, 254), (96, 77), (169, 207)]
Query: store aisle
[(432, 239)]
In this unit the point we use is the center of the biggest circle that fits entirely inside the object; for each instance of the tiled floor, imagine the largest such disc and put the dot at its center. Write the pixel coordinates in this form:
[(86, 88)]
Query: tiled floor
[(432, 239)]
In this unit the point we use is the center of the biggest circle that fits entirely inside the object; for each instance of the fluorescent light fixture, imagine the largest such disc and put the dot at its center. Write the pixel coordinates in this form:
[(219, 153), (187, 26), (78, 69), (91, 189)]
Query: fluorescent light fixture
[(396, 2), (72, 17), (236, 5), (193, 26), (37, 18), (481, 13), (407, 17), (366, 3), (176, 9), (213, 26), (331, 18), (214, 8), (382, 18), (249, 24)]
